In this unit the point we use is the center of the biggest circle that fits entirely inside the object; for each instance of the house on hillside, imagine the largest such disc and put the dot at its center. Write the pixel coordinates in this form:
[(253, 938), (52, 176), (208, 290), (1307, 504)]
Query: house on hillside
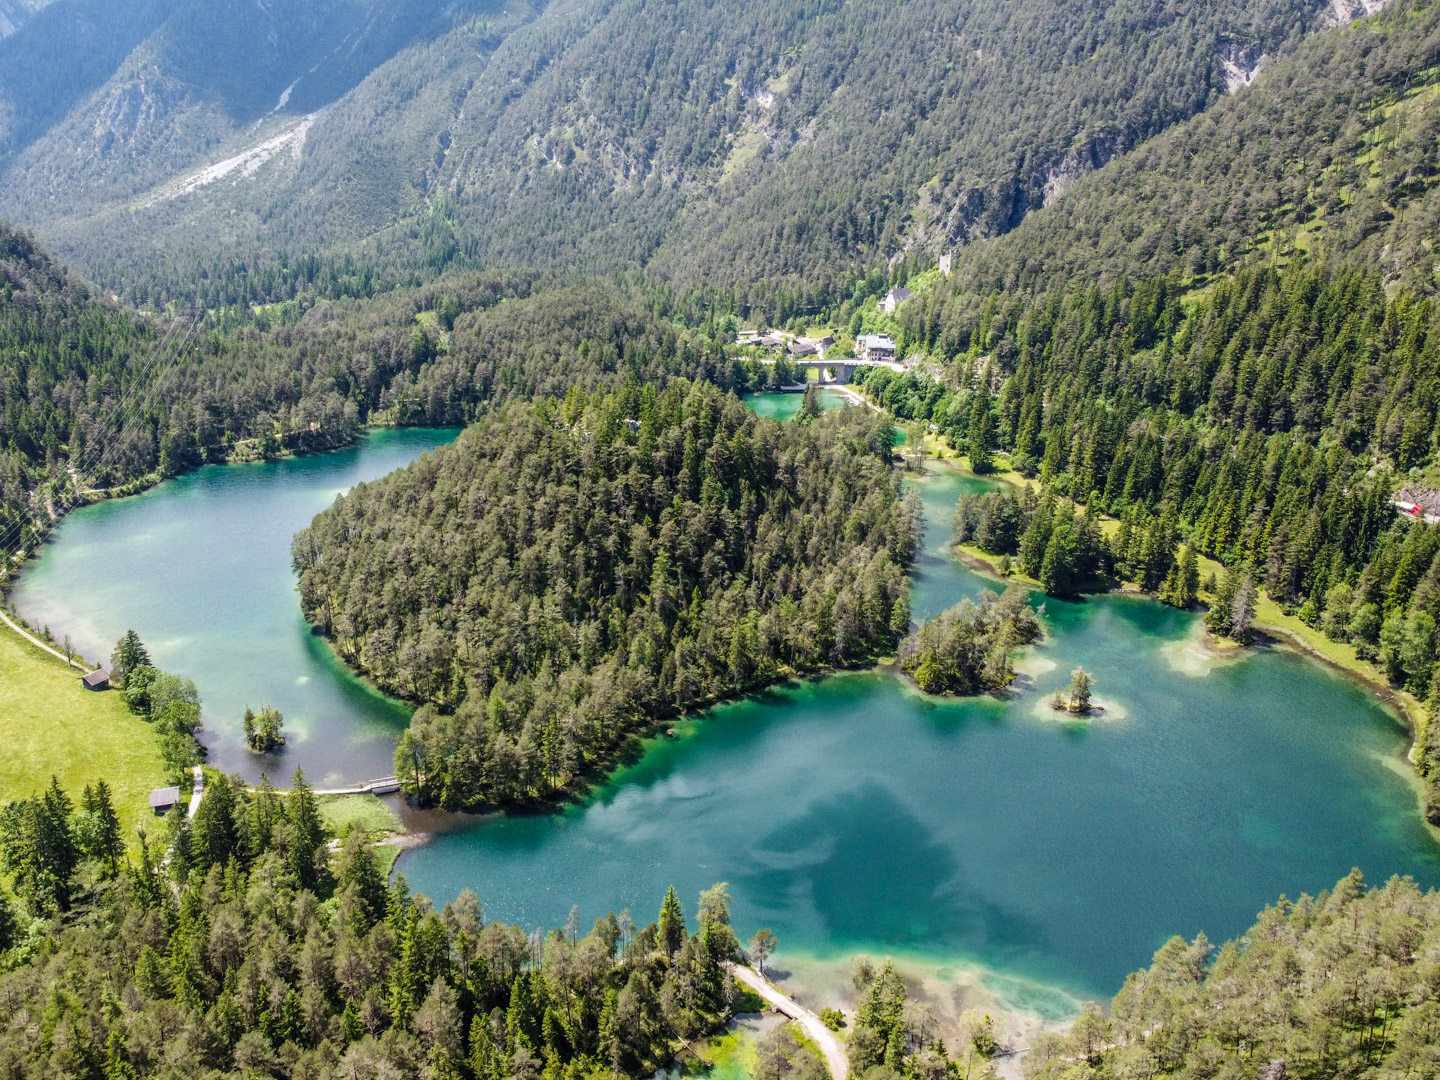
[(99, 679), (875, 347), (163, 799), (894, 298)]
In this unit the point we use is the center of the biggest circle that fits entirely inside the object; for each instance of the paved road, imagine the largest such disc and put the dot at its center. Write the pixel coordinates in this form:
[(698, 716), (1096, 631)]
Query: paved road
[(826, 1039)]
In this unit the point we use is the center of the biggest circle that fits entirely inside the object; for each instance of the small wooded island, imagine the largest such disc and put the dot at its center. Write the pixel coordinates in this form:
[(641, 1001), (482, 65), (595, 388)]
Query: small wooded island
[(966, 649)]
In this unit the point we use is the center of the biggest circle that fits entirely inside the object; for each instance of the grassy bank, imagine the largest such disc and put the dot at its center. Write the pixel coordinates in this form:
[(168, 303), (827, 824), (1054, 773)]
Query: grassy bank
[(51, 725), (372, 816)]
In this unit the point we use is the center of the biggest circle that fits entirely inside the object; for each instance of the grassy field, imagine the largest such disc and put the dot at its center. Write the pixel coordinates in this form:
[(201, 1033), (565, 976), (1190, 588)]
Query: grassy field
[(50, 724), (368, 814), (364, 812)]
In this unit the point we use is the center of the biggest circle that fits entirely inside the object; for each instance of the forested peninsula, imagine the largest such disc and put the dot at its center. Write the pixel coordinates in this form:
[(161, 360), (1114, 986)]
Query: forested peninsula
[(569, 571)]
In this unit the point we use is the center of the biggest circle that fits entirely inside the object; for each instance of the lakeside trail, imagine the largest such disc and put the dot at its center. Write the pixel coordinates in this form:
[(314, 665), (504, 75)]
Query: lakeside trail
[(197, 792), (40, 644), (826, 1039)]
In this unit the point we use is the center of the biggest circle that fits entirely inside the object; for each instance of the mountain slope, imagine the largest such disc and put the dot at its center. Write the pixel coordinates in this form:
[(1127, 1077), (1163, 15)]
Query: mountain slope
[(774, 142), (1335, 149)]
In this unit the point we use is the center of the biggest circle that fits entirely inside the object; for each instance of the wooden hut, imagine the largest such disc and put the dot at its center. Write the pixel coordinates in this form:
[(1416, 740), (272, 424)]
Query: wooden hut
[(99, 679)]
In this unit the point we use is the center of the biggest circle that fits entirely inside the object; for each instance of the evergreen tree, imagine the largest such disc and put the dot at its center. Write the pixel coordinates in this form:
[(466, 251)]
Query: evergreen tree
[(1189, 590), (670, 927), (809, 403), (130, 654), (1242, 610), (1077, 694), (38, 849), (1218, 620), (215, 832), (979, 440), (102, 841), (307, 834), (1057, 568), (264, 733)]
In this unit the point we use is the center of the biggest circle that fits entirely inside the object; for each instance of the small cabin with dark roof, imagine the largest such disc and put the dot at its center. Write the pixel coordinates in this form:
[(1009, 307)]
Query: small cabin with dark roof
[(164, 798), (99, 679)]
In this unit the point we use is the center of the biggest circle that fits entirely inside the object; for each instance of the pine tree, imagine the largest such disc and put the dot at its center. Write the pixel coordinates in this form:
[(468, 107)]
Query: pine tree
[(980, 438), (1057, 569), (103, 841), (809, 403), (1218, 618), (1078, 693), (1189, 577), (1242, 611), (130, 653), (215, 832), (307, 833), (670, 927)]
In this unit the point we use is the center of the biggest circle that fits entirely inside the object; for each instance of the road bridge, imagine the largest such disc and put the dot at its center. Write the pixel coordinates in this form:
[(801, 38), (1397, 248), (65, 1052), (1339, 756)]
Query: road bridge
[(838, 371)]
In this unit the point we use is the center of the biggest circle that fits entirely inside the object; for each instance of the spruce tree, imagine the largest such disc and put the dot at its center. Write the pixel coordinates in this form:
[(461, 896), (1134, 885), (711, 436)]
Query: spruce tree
[(103, 840), (1189, 577), (307, 833), (130, 653), (980, 438), (1218, 618), (670, 927), (1242, 611)]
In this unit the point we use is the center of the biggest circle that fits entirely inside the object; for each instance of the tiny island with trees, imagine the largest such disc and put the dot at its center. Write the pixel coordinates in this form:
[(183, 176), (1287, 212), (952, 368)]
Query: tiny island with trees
[(264, 731)]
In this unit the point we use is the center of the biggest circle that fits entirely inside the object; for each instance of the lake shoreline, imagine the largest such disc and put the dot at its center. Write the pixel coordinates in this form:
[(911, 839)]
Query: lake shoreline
[(1406, 708), (150, 481)]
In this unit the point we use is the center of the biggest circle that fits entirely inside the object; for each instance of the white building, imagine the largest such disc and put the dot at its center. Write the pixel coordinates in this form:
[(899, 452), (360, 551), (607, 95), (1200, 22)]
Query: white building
[(874, 347), (894, 298)]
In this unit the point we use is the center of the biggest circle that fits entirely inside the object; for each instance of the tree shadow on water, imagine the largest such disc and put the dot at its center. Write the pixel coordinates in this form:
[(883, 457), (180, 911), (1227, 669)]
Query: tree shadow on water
[(873, 873)]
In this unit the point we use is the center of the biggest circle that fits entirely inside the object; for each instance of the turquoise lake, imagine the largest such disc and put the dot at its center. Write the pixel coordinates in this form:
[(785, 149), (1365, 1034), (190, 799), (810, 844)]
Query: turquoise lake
[(852, 814), (200, 568), (778, 406), (849, 814)]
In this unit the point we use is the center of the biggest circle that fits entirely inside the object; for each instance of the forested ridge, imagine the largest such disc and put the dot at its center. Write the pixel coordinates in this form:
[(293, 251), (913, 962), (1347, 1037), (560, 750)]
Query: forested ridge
[(96, 399), (772, 151), (1331, 151), (567, 572)]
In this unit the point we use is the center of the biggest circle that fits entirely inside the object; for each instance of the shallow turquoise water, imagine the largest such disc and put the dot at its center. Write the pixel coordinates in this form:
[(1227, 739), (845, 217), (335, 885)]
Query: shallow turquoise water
[(777, 406), (200, 568), (853, 815)]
